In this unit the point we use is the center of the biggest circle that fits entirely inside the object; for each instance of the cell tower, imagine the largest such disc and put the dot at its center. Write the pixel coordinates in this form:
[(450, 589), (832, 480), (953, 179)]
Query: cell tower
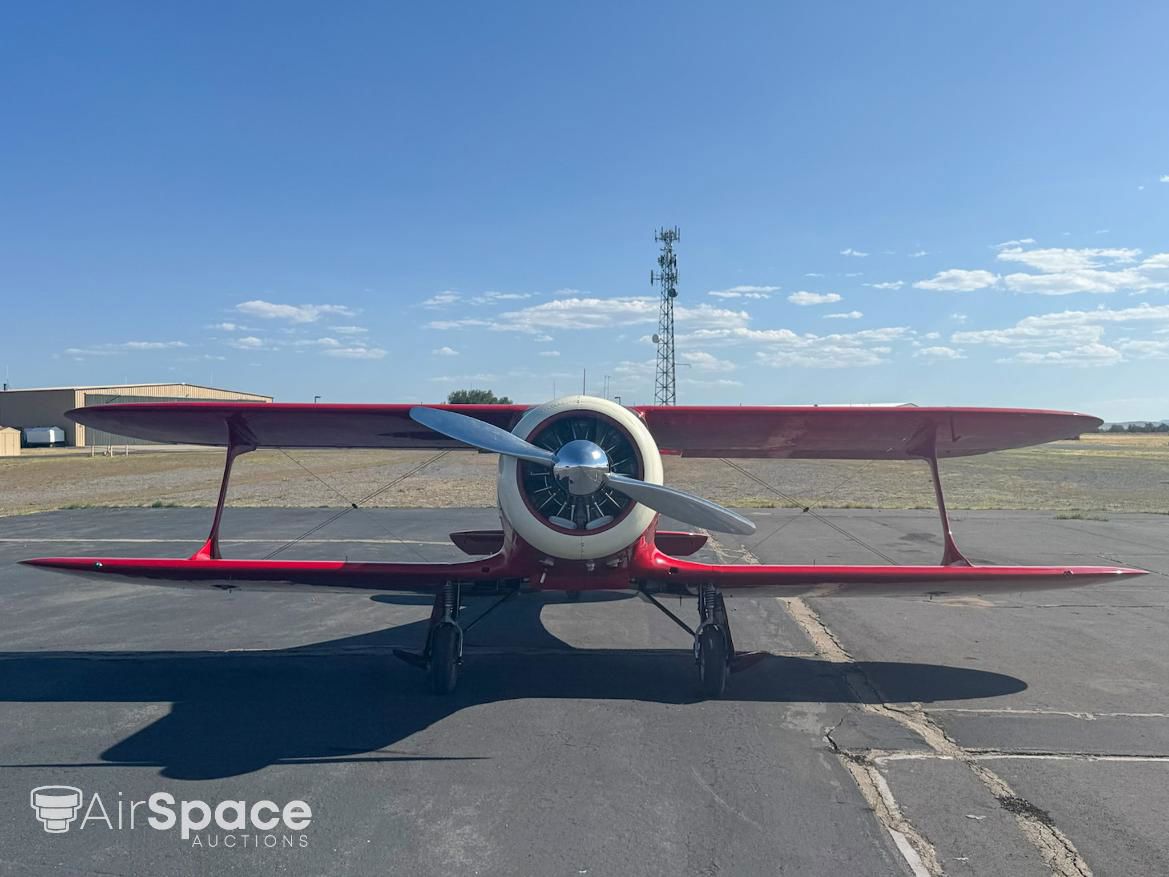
[(665, 392)]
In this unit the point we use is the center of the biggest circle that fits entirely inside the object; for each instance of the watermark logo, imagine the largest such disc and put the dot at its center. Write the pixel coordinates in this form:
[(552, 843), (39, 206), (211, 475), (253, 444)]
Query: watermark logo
[(56, 806), (229, 823)]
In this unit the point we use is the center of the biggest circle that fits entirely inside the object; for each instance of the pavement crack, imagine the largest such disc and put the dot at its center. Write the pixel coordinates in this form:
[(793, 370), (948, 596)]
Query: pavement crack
[(1036, 825)]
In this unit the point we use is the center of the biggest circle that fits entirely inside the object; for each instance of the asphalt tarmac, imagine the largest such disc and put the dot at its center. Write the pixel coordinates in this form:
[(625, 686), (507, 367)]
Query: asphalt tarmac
[(1015, 735)]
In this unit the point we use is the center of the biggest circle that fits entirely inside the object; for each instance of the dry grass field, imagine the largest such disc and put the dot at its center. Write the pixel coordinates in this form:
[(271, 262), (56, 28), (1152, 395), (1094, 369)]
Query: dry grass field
[(1098, 474)]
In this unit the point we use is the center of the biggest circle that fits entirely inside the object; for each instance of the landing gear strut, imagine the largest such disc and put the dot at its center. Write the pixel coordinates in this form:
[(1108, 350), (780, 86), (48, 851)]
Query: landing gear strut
[(444, 641), (443, 653), (713, 646)]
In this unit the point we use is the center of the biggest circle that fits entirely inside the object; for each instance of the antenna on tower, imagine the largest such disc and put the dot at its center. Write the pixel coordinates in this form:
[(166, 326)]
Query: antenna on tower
[(665, 391)]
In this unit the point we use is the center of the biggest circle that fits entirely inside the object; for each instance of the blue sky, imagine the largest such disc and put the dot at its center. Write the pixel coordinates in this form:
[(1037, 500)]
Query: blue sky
[(384, 202)]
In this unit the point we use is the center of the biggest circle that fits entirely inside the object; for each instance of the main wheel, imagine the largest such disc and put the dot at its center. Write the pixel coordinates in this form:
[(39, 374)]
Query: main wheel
[(443, 667), (712, 661)]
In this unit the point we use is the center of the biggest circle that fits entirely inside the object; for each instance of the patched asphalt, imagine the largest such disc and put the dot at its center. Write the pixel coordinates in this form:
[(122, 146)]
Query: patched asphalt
[(575, 743)]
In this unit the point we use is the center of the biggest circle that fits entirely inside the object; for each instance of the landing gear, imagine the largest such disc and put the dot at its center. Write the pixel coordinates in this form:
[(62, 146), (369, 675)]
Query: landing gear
[(446, 653), (444, 641), (713, 646), (443, 653)]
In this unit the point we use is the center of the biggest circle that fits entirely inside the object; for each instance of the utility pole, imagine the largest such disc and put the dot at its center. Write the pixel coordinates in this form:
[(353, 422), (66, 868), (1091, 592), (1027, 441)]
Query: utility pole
[(665, 389)]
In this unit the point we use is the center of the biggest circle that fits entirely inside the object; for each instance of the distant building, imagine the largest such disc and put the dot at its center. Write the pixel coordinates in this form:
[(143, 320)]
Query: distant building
[(46, 406)]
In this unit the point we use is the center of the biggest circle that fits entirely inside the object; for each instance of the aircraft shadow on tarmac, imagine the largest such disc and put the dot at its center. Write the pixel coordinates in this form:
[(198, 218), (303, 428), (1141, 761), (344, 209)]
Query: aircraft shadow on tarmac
[(349, 700)]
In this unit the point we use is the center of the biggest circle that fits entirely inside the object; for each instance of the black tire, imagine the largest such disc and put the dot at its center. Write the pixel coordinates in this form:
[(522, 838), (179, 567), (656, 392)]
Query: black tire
[(443, 668), (712, 661)]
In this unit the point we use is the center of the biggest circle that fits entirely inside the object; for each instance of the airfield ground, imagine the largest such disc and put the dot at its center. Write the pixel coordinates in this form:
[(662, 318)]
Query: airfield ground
[(1009, 736), (1097, 474)]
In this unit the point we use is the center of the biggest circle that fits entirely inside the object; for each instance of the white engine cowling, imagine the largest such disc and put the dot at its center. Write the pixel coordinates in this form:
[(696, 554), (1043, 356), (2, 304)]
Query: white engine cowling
[(580, 542)]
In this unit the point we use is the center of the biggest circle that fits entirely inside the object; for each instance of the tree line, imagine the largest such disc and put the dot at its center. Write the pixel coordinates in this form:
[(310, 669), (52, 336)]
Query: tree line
[(1136, 427)]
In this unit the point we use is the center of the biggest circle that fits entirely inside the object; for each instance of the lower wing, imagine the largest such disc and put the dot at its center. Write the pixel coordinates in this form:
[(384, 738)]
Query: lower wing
[(785, 580), (284, 575), (675, 574)]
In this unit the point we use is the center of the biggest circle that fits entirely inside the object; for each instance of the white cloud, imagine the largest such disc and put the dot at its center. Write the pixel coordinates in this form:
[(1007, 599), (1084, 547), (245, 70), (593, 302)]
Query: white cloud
[(849, 251), (783, 347), (813, 274), (756, 292), (1138, 349), (888, 284), (1165, 178), (844, 315), (441, 299), (743, 335), (824, 356), (1013, 244), (1052, 260), (917, 254), (1064, 270), (1074, 337), (804, 298), (316, 342), (472, 379), (708, 362), (594, 313), (543, 339), (226, 327), (711, 382), (248, 342), (958, 280), (149, 345), (1087, 355), (293, 313), (939, 353), (855, 274), (958, 318), (548, 353), (445, 351), (357, 352), (348, 330), (489, 298), (114, 349)]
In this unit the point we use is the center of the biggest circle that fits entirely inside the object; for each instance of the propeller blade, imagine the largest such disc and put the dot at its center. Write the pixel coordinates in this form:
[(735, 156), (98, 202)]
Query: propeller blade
[(479, 434), (682, 506)]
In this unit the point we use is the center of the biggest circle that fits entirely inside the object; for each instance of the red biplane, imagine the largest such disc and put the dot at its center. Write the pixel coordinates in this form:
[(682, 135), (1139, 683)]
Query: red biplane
[(580, 494)]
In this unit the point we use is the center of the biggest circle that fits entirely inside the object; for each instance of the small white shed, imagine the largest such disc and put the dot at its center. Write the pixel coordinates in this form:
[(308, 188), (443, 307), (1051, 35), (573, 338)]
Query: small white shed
[(9, 442)]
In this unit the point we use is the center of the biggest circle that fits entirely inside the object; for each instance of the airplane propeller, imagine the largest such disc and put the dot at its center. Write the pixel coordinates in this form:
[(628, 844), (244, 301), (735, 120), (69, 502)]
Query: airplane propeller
[(585, 468)]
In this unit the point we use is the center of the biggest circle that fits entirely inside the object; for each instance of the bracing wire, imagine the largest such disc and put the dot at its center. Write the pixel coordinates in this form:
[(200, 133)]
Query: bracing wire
[(809, 510), (354, 505)]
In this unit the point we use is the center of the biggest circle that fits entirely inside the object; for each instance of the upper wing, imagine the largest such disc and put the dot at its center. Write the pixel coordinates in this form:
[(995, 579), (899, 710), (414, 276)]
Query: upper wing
[(283, 424), (842, 432), (695, 431)]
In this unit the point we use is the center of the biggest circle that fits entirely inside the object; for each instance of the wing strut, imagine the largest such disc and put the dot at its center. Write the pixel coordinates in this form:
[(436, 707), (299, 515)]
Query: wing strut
[(926, 447), (239, 441)]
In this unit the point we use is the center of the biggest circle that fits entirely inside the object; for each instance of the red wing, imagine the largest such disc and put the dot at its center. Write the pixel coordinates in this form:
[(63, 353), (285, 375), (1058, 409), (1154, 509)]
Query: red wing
[(878, 433), (284, 575), (881, 581), (283, 425)]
